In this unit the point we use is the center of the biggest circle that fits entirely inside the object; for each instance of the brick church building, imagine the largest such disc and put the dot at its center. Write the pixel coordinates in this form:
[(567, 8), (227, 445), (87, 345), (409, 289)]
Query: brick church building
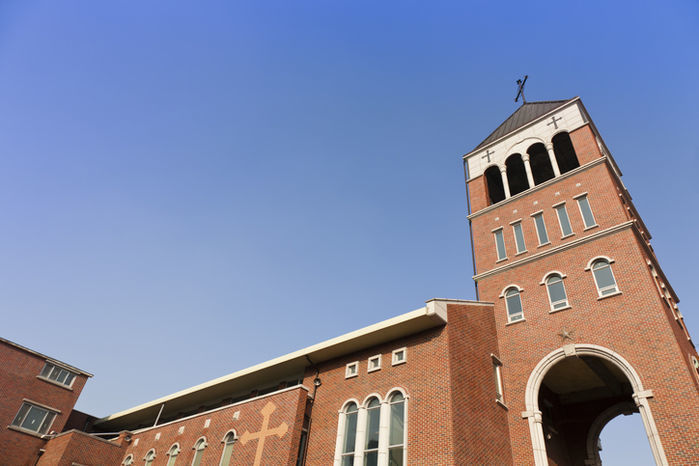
[(575, 324)]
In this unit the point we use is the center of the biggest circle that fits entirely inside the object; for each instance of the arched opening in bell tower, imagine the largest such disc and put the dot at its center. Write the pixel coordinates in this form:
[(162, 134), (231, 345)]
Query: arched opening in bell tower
[(563, 148), (540, 163), (493, 181), (516, 174), (573, 393)]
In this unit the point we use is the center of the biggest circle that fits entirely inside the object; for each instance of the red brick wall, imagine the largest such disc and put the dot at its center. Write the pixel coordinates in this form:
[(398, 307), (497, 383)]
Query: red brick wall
[(481, 434), (606, 206), (585, 144), (290, 406), (478, 193), (77, 447), (18, 380), (425, 378)]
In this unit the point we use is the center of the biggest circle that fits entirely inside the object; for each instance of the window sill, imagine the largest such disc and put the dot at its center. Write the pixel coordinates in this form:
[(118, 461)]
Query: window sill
[(65, 387), (591, 227), (502, 404), (500, 260), (369, 371), (567, 236), (398, 363), (515, 322), (553, 311), (609, 295), (544, 244), (522, 252), (25, 431)]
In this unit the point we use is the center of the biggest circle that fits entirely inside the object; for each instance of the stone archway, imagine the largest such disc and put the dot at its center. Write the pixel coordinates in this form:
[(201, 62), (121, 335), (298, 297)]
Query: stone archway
[(610, 366)]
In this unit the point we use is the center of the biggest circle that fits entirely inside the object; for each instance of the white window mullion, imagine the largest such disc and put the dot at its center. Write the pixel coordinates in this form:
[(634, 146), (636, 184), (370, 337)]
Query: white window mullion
[(340, 437), (384, 420), (361, 436)]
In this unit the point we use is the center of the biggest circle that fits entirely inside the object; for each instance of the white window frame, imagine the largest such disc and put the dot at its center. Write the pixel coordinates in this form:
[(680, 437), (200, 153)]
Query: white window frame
[(34, 404), (58, 370), (128, 461), (507, 307), (376, 357), (544, 281), (201, 441), (395, 361), (514, 233), (609, 262), (352, 370), (497, 248), (499, 386), (582, 214), (384, 427), (538, 231), (150, 456), (177, 449), (562, 206), (225, 444)]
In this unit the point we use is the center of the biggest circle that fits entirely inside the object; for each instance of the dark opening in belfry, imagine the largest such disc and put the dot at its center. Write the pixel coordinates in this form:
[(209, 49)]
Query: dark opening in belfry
[(565, 153), (540, 162), (493, 181), (516, 174)]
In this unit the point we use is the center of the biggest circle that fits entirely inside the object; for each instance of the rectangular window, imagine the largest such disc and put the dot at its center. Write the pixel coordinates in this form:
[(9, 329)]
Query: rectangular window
[(586, 211), (352, 369), (399, 356), (374, 363), (563, 220), (541, 228), (497, 370), (57, 374), (519, 237), (34, 418), (500, 244)]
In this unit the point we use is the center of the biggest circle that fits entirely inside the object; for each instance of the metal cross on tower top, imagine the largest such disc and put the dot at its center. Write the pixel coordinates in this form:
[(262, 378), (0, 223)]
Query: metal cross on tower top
[(520, 91)]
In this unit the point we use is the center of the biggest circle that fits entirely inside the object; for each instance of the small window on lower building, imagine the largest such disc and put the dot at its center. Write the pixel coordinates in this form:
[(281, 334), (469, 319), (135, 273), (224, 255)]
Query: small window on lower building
[(374, 363), (399, 356), (352, 369), (34, 418), (57, 374)]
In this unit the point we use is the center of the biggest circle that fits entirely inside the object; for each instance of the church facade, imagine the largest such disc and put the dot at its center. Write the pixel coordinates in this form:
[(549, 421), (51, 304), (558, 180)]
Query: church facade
[(575, 324)]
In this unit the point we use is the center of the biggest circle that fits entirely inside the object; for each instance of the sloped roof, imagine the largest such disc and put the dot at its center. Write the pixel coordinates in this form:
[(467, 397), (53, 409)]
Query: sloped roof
[(526, 113)]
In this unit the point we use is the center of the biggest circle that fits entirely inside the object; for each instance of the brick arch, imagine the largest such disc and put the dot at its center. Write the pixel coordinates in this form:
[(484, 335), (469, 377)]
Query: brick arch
[(640, 396)]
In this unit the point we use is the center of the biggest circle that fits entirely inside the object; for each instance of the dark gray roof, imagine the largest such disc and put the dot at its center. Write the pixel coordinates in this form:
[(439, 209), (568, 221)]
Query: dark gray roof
[(526, 113)]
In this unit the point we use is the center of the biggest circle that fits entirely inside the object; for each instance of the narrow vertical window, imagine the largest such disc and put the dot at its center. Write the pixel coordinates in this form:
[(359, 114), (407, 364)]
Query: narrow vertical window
[(519, 237), (563, 220), (350, 433), (514, 305), (128, 461), (604, 278), (150, 457), (172, 453), (557, 292), (227, 454), (199, 451), (541, 229), (371, 446), (396, 428), (497, 372), (586, 212), (500, 244)]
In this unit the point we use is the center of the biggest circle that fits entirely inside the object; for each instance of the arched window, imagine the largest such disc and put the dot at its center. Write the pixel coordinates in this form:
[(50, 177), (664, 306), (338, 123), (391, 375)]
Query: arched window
[(604, 278), (513, 302), (172, 453), (493, 181), (349, 435), (557, 292), (540, 162), (371, 445), (227, 442), (128, 461), (516, 174), (396, 426), (565, 153), (150, 457), (199, 451)]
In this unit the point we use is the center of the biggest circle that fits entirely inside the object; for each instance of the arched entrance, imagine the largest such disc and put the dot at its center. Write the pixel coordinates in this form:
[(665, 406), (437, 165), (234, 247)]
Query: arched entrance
[(572, 393)]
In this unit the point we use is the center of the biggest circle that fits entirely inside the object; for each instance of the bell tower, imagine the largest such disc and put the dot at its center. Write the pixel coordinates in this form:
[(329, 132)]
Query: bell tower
[(588, 326)]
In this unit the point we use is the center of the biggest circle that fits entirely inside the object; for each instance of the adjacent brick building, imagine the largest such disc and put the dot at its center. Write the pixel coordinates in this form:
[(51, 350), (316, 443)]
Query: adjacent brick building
[(575, 324)]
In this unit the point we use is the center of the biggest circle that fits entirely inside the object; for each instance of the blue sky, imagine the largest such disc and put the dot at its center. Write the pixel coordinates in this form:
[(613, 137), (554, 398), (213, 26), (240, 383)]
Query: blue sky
[(189, 189)]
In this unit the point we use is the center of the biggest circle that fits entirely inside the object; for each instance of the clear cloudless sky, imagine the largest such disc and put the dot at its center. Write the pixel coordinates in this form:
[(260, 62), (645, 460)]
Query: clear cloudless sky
[(191, 188)]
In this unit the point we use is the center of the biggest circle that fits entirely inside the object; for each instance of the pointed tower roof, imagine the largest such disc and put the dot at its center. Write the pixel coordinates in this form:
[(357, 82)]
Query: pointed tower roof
[(526, 113)]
